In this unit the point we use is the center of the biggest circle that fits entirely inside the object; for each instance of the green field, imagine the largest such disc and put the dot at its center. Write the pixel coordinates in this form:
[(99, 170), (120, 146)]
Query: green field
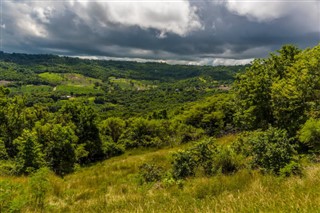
[(53, 78), (76, 89), (72, 83), (32, 89), (78, 79), (131, 84), (69, 78)]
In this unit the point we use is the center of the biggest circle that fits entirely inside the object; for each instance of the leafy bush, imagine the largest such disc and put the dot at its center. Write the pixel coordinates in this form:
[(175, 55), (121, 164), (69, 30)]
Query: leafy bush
[(184, 164), (310, 134), (7, 167), (143, 133), (292, 168), (207, 157), (203, 154), (111, 149), (212, 115), (3, 152), (150, 172), (269, 150), (188, 133), (226, 161)]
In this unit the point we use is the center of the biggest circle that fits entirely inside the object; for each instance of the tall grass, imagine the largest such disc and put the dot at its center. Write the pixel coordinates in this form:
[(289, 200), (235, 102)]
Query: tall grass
[(114, 186)]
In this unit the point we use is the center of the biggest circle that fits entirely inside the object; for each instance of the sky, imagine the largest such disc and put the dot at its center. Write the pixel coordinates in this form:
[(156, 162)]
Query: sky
[(219, 32)]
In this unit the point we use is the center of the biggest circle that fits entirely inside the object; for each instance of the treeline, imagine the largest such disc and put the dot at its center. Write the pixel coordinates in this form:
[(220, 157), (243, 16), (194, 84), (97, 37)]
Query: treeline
[(102, 69)]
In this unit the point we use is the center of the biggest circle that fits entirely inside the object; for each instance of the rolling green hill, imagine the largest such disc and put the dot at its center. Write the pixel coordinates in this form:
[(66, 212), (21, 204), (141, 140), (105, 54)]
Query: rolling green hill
[(113, 88)]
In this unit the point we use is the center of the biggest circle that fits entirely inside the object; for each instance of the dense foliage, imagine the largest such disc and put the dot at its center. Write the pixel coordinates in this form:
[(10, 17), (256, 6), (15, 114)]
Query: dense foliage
[(62, 113)]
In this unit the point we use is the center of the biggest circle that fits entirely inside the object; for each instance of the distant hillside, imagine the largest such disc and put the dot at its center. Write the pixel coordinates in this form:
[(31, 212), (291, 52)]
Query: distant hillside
[(102, 69), (113, 88)]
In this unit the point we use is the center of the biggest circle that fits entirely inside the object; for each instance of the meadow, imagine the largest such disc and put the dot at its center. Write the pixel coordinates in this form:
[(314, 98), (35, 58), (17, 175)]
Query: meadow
[(115, 185)]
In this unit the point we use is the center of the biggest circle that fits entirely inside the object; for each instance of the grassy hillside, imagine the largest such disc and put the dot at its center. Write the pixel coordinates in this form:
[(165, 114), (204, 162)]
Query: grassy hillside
[(115, 186), (130, 84), (102, 69)]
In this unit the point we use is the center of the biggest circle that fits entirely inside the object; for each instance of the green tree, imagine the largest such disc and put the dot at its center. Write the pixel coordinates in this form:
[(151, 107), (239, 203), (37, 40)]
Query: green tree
[(271, 150), (310, 134), (30, 156), (3, 151), (12, 122), (213, 114), (84, 119), (144, 133), (297, 95), (258, 96), (60, 144), (112, 127)]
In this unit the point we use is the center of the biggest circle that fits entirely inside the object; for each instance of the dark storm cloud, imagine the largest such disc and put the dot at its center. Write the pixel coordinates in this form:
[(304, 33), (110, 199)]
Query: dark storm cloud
[(199, 31)]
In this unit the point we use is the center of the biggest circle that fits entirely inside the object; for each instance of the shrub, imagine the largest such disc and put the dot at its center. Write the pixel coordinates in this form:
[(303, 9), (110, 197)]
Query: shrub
[(292, 168), (205, 156), (143, 133), (310, 134), (3, 152), (186, 133), (270, 150), (242, 145), (184, 164), (7, 167), (111, 149), (203, 153), (169, 181), (150, 172), (226, 161)]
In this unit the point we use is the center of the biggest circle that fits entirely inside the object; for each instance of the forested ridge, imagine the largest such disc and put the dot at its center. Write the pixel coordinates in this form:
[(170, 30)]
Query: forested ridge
[(214, 132)]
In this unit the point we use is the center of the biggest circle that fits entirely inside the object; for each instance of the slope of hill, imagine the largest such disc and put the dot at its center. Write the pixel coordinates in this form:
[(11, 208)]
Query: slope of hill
[(116, 185)]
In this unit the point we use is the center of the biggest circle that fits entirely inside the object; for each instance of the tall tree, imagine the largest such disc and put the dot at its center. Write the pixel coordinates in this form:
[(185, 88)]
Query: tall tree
[(30, 156), (84, 119), (256, 90)]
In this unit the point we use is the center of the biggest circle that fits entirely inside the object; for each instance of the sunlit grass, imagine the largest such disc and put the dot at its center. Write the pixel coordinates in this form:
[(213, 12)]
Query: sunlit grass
[(54, 78), (76, 89), (131, 84), (32, 89), (113, 186)]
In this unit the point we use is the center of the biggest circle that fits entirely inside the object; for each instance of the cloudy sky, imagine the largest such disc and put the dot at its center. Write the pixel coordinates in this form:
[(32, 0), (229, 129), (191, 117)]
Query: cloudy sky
[(177, 31)]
